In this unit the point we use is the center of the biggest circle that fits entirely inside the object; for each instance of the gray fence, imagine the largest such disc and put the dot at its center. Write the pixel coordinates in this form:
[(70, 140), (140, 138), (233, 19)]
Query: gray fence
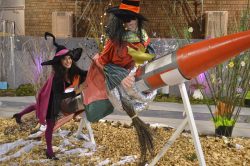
[(21, 56)]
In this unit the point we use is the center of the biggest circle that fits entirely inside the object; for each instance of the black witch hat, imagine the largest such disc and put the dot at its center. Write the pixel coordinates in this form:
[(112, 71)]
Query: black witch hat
[(62, 51)]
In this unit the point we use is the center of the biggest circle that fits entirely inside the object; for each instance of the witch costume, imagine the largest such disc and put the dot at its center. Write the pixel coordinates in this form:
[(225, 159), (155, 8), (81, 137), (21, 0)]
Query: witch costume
[(52, 93), (48, 102), (120, 57)]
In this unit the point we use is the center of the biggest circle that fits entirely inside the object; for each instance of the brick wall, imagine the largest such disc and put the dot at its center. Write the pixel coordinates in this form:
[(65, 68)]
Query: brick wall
[(38, 14), (167, 17)]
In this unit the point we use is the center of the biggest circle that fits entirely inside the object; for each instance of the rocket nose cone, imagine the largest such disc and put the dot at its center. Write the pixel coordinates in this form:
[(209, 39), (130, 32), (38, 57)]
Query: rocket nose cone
[(196, 58)]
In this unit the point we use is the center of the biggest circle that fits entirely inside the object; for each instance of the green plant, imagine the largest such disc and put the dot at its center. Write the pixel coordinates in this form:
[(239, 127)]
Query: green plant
[(228, 84), (173, 99), (8, 92), (25, 90), (223, 121), (161, 98)]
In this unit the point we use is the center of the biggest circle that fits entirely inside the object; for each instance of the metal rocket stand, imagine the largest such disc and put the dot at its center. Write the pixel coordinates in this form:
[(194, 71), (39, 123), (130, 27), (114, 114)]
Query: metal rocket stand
[(190, 120), (84, 121)]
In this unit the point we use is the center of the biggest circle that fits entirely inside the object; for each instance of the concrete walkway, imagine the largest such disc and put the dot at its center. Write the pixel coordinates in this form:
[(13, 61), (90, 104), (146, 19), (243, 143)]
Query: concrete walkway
[(168, 114)]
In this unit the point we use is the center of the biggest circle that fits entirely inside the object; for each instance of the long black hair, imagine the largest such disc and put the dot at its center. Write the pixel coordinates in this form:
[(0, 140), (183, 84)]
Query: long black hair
[(115, 29), (60, 72)]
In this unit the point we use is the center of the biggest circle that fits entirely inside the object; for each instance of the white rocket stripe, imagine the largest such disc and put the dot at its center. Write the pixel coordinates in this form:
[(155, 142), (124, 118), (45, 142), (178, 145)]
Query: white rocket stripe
[(158, 63), (173, 77)]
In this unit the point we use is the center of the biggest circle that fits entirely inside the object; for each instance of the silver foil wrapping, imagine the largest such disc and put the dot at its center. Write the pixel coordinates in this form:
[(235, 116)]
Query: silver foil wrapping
[(115, 99), (137, 105), (141, 96), (139, 101), (119, 92)]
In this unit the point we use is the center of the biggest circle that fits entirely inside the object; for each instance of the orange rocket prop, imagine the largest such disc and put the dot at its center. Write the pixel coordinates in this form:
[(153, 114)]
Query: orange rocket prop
[(186, 63), (191, 60)]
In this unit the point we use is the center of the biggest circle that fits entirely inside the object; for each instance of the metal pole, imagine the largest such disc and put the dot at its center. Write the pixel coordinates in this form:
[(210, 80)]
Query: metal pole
[(169, 143), (80, 126), (192, 125), (76, 4), (12, 62), (12, 41), (84, 122), (4, 26), (12, 28), (88, 126)]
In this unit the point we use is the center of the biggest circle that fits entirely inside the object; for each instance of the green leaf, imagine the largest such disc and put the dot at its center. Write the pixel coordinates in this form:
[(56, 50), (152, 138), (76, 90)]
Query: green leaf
[(248, 95), (223, 121)]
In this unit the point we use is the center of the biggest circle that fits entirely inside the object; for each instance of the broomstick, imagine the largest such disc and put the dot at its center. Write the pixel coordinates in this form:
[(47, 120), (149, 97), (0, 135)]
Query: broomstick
[(144, 132), (142, 129)]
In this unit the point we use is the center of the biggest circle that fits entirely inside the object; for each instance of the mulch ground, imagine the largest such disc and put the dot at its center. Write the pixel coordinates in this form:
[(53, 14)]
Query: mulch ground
[(116, 140)]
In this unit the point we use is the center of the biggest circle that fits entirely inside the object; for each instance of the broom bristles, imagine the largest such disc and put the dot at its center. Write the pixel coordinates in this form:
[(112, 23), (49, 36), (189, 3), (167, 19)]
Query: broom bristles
[(143, 131)]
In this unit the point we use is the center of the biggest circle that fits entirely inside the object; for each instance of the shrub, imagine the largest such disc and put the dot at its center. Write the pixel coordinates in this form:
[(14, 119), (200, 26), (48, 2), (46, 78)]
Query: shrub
[(7, 92), (25, 90)]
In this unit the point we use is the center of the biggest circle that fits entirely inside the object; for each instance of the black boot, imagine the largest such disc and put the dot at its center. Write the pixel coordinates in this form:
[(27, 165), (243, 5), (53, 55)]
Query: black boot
[(17, 118), (52, 157)]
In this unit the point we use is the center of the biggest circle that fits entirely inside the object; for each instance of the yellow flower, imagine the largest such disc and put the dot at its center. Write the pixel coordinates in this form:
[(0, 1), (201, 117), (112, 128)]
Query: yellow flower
[(213, 79), (212, 76), (231, 64)]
